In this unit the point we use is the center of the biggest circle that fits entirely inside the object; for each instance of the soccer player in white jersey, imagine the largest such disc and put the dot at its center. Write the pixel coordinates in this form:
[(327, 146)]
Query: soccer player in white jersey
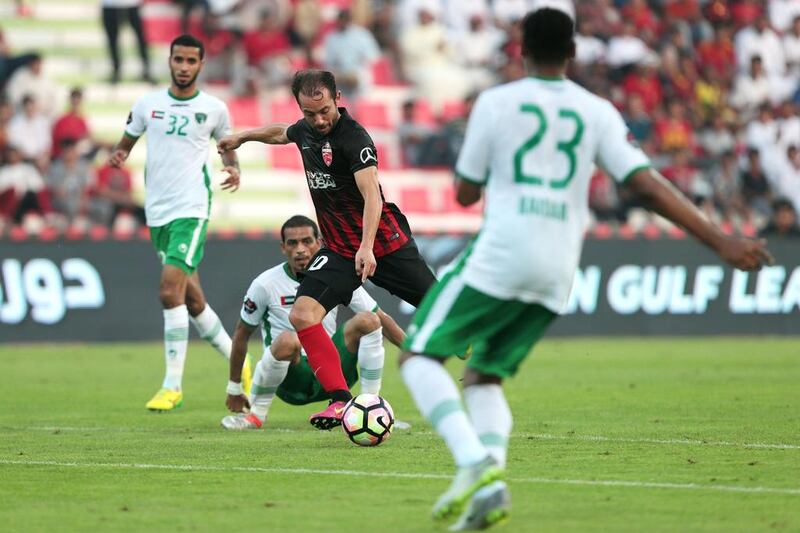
[(284, 369), (179, 122), (532, 145)]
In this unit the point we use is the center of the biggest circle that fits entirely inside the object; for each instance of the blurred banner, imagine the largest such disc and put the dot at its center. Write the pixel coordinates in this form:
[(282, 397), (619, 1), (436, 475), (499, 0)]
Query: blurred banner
[(108, 290)]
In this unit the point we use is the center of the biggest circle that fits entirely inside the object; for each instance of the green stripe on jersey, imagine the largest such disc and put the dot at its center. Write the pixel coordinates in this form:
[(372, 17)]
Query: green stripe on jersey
[(207, 180)]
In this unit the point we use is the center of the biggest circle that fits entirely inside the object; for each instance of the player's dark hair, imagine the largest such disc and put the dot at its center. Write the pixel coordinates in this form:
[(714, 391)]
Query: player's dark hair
[(548, 36), (189, 41), (310, 83), (299, 221)]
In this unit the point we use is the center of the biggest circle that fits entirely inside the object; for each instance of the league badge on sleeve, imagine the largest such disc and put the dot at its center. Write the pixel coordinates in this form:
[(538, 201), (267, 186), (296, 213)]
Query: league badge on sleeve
[(327, 153), (249, 306)]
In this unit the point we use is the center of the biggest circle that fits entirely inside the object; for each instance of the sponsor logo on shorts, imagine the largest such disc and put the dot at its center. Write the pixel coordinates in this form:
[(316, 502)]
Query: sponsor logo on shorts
[(130, 118), (249, 306), (183, 247)]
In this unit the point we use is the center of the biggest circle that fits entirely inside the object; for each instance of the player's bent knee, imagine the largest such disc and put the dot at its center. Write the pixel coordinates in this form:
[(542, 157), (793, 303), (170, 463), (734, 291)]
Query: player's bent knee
[(170, 295), (302, 319), (366, 322), (285, 347)]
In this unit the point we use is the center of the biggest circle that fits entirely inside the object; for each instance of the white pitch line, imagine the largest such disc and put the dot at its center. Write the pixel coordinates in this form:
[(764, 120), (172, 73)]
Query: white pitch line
[(536, 436), (405, 475)]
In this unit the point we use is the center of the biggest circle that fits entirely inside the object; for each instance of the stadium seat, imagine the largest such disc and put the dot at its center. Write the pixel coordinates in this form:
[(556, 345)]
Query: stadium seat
[(245, 112), (373, 115), (385, 159), (602, 230), (284, 111), (161, 29), (626, 231), (453, 110), (415, 200), (285, 156), (423, 113), (383, 72), (651, 231)]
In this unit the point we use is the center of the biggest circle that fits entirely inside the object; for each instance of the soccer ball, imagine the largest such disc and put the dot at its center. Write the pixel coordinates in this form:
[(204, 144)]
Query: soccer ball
[(367, 420)]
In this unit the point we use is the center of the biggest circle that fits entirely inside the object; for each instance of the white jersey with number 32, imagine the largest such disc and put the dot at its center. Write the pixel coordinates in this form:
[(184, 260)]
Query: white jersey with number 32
[(177, 177), (534, 144)]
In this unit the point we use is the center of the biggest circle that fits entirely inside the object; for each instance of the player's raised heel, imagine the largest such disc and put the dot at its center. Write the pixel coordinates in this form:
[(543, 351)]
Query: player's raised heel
[(165, 400), (467, 481), (489, 506), (329, 418)]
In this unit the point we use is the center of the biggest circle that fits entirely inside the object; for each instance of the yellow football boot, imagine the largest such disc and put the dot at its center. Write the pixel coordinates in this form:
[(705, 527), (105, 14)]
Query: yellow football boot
[(165, 400)]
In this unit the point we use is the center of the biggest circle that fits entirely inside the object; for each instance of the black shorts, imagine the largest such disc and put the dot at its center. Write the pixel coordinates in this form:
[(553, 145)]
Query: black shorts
[(331, 278)]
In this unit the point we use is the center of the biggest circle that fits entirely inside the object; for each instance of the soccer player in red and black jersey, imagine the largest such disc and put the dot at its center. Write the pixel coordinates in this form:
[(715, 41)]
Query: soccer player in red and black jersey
[(364, 236)]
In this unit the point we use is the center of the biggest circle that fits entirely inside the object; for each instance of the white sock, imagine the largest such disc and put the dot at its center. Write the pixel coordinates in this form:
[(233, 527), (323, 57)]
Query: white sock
[(268, 375), (209, 326), (176, 337), (370, 361), (437, 398), (491, 418)]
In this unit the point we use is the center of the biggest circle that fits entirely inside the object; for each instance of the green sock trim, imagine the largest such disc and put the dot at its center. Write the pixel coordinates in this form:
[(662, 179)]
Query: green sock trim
[(177, 334), (214, 332), (257, 389), (371, 373), (493, 439), (445, 408)]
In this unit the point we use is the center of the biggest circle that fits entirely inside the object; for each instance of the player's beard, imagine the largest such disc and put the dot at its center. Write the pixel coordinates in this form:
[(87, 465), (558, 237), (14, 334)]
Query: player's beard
[(183, 85)]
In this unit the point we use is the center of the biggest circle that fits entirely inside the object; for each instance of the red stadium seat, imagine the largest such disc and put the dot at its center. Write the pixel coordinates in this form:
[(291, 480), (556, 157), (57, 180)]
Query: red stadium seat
[(284, 111), (415, 200), (161, 29), (285, 156), (451, 205), (453, 110), (373, 115), (423, 114), (385, 159), (245, 112), (383, 72)]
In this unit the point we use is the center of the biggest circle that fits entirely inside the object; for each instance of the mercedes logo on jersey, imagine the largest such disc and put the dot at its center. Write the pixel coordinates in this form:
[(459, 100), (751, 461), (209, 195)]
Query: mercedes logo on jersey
[(368, 155)]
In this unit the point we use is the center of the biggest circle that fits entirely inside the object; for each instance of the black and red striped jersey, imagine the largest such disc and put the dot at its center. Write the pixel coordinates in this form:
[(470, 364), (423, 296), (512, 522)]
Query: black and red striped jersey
[(330, 164)]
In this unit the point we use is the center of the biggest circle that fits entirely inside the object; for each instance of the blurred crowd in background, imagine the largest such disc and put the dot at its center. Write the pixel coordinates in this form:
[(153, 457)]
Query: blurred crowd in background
[(710, 89)]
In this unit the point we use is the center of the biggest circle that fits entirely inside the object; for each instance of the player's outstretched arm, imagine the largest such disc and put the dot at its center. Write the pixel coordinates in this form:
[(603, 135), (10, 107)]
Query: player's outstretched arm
[(659, 195), (272, 134), (393, 332), (237, 402), (121, 151)]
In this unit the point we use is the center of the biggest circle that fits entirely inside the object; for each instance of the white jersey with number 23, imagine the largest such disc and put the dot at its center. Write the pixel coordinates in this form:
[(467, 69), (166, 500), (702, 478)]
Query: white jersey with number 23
[(534, 144)]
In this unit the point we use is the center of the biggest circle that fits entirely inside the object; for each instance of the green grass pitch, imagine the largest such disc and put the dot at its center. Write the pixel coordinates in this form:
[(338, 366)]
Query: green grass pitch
[(609, 435)]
